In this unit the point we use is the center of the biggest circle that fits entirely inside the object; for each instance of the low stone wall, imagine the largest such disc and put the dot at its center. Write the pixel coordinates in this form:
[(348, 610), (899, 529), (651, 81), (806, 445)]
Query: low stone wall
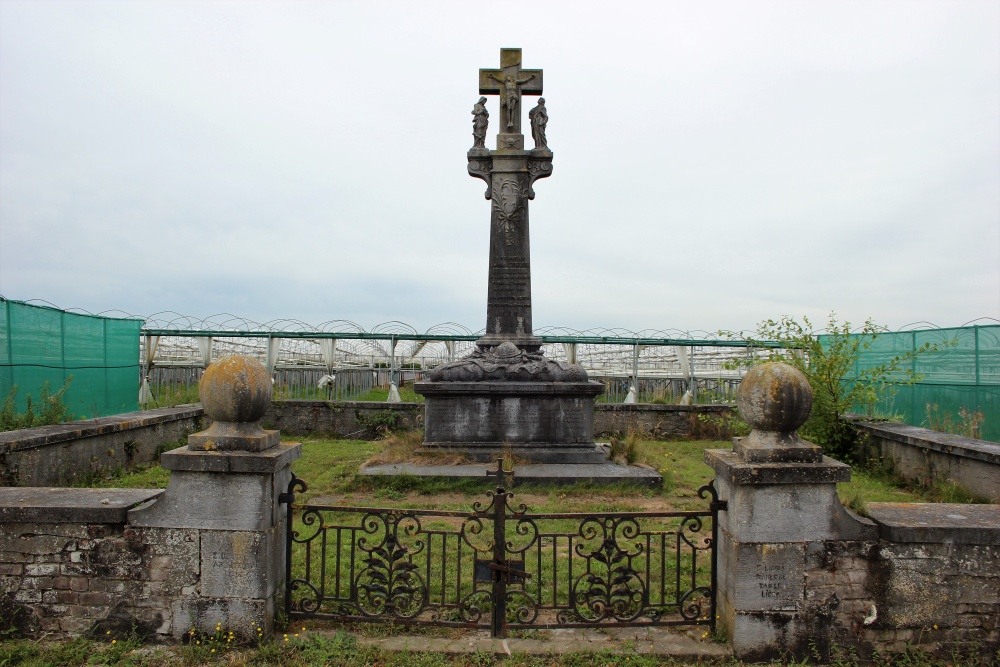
[(209, 549), (926, 577), (71, 565), (801, 576), (927, 456), (60, 454), (359, 419), (935, 577), (659, 421)]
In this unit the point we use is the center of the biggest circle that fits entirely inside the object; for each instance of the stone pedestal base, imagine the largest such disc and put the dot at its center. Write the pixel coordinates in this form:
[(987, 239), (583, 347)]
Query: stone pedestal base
[(229, 500), (539, 422), (780, 519)]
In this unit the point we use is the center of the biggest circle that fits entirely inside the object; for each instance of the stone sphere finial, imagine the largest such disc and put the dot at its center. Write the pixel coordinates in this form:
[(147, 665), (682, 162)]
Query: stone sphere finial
[(235, 389), (775, 397), (775, 400), (235, 393)]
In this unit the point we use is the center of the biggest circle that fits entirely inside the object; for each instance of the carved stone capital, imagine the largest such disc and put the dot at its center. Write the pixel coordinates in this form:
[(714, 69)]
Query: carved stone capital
[(539, 166), (481, 166)]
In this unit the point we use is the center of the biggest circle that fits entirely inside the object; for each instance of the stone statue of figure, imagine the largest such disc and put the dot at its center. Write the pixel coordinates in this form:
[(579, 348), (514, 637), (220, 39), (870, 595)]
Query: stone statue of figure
[(511, 94), (480, 120), (539, 118)]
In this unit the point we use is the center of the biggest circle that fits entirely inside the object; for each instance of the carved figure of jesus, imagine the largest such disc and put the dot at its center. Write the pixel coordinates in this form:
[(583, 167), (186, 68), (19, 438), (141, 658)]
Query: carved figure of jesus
[(511, 94)]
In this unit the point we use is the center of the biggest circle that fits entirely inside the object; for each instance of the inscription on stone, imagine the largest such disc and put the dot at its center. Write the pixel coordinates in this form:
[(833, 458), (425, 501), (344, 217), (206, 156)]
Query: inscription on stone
[(529, 421), (513, 282), (769, 577), (771, 580)]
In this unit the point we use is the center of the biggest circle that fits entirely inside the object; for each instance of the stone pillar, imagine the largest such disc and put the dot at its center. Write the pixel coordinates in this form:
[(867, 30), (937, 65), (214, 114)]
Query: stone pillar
[(224, 488), (783, 512)]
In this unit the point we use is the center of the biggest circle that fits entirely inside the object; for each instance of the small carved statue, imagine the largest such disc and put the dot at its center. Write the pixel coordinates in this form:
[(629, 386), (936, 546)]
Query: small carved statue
[(480, 121), (511, 94), (539, 118)]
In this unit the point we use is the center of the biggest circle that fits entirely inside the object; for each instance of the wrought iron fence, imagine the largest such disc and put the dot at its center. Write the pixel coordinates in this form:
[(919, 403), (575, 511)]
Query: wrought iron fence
[(500, 566)]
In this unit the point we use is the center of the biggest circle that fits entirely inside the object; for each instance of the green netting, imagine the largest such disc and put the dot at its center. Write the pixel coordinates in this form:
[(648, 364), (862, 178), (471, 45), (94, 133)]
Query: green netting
[(39, 344), (963, 373)]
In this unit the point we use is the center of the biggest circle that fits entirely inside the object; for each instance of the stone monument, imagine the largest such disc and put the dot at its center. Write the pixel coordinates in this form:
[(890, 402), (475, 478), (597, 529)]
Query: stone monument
[(506, 396)]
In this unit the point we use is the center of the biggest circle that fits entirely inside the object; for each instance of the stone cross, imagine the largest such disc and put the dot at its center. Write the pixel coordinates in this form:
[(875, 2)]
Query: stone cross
[(510, 82), (510, 171)]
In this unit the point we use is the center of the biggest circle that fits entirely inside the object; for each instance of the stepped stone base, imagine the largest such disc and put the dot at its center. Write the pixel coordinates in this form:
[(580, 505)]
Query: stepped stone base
[(600, 474), (540, 422)]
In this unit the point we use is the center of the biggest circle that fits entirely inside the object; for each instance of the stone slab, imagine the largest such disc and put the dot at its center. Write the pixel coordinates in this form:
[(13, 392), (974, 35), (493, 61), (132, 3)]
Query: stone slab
[(529, 453), (61, 505), (659, 641), (230, 437), (46, 435), (771, 450), (937, 522), (459, 389), (268, 461), (769, 577), (728, 463), (956, 445), (597, 474)]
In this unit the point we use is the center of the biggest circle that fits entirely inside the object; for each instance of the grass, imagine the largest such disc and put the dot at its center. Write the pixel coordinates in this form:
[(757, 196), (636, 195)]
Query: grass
[(341, 649), (330, 469), (381, 395), (172, 395)]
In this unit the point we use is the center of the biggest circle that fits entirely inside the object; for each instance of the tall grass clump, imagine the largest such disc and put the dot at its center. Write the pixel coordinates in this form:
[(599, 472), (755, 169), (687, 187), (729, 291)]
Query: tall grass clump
[(49, 409)]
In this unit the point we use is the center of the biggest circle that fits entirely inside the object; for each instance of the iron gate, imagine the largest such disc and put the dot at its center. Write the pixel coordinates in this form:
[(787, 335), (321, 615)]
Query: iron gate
[(499, 566)]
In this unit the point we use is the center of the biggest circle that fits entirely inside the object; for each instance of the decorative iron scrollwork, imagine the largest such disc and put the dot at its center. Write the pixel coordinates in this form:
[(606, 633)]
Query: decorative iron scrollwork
[(390, 584), (499, 566), (610, 588)]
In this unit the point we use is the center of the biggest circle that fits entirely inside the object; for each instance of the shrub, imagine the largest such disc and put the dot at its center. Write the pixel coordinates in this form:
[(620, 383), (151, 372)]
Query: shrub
[(830, 367)]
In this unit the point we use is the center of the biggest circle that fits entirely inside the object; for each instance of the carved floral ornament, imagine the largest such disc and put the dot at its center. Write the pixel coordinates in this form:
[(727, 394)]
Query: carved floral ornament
[(508, 202)]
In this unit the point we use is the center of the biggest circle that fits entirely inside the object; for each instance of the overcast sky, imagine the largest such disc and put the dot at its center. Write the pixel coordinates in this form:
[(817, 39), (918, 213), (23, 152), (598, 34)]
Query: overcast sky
[(716, 163)]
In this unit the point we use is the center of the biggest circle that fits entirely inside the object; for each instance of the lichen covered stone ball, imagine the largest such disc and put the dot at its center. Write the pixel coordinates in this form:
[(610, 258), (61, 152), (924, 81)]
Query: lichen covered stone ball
[(235, 389), (775, 397)]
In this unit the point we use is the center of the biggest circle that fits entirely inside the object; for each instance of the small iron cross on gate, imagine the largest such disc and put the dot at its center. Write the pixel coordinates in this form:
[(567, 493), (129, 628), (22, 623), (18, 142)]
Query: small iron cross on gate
[(503, 476)]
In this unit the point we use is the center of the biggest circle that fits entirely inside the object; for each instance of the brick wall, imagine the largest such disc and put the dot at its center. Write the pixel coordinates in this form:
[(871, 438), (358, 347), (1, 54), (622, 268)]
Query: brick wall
[(78, 578)]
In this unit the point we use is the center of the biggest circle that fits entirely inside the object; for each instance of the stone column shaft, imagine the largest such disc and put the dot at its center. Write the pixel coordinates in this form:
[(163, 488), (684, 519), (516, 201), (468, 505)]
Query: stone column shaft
[(510, 175)]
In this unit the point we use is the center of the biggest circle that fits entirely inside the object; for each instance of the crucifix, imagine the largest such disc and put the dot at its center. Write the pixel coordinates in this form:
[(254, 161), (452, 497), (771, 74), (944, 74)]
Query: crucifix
[(510, 171), (510, 82)]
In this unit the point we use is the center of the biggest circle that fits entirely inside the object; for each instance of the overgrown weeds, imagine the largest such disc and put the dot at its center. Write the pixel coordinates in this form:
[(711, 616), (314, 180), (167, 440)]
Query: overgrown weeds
[(627, 449), (967, 422), (48, 409), (399, 447), (721, 426)]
